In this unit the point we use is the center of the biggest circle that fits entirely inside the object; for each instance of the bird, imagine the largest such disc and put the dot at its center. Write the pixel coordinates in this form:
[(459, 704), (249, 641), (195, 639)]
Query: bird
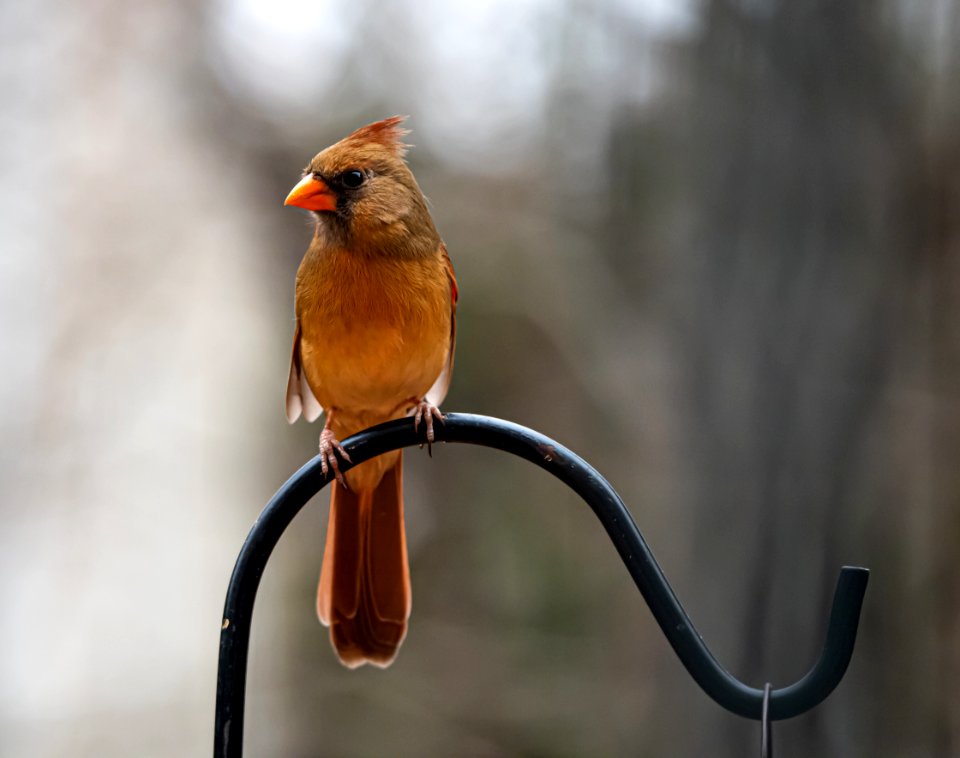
[(374, 338)]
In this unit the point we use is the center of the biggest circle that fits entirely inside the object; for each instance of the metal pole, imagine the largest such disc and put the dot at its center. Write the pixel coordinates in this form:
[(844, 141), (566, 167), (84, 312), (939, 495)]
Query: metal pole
[(580, 476)]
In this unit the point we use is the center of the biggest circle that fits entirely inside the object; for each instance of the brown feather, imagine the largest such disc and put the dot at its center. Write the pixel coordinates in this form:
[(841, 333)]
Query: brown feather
[(300, 397), (441, 386), (388, 133), (364, 591)]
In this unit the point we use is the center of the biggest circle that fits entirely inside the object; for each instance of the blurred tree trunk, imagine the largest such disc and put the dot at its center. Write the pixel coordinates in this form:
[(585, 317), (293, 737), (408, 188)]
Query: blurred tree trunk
[(802, 150)]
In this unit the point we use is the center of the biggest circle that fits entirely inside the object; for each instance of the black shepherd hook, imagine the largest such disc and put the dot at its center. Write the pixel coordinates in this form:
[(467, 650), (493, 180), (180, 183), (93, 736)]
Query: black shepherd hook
[(581, 477)]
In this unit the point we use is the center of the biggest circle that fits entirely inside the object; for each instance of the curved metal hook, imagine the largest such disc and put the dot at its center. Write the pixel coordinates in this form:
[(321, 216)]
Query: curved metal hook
[(580, 476)]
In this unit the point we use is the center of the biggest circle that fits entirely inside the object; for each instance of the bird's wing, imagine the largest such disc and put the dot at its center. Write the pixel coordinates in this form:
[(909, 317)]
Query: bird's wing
[(300, 398), (438, 391)]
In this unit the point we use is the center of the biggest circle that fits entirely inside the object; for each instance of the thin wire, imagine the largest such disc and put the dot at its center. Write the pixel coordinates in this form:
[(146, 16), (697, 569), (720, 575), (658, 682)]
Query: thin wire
[(766, 727)]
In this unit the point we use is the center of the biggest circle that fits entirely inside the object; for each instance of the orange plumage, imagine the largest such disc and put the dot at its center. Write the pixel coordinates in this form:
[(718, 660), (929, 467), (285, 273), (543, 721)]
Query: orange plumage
[(374, 340)]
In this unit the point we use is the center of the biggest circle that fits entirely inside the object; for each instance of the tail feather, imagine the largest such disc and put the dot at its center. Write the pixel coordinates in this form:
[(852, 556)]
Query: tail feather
[(364, 592)]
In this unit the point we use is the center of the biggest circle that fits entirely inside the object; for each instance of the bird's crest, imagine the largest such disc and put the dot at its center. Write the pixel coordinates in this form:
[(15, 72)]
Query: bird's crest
[(389, 133)]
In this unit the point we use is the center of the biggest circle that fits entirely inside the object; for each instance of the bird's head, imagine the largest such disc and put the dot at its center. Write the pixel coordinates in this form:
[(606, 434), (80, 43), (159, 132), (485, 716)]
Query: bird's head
[(364, 196)]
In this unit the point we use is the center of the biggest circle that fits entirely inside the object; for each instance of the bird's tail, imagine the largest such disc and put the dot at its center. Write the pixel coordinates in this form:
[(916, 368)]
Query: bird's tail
[(364, 592)]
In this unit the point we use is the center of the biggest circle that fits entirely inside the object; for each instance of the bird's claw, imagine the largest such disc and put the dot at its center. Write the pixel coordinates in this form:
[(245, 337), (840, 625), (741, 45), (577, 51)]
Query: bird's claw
[(427, 412), (329, 447)]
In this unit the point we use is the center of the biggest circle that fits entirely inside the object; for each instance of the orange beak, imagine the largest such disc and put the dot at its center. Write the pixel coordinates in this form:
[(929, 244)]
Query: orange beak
[(313, 194)]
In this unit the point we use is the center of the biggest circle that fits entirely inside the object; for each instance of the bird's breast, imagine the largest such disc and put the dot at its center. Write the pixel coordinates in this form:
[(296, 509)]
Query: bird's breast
[(374, 332)]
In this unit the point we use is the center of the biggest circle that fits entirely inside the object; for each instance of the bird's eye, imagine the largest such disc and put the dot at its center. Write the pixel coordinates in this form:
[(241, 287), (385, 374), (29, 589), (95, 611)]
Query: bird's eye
[(352, 178)]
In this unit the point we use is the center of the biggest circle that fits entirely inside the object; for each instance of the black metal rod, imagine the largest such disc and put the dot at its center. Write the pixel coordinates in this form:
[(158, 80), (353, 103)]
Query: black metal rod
[(580, 476)]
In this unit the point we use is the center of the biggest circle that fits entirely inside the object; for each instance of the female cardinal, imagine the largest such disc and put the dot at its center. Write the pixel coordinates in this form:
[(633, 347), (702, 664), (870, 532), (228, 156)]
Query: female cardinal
[(374, 340)]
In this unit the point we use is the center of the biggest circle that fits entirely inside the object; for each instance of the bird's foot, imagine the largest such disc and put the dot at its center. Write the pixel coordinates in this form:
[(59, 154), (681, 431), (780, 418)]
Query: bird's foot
[(329, 447), (427, 412)]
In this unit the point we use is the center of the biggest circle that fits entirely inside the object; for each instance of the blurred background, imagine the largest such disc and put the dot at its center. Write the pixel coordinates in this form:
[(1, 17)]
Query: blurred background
[(713, 247)]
